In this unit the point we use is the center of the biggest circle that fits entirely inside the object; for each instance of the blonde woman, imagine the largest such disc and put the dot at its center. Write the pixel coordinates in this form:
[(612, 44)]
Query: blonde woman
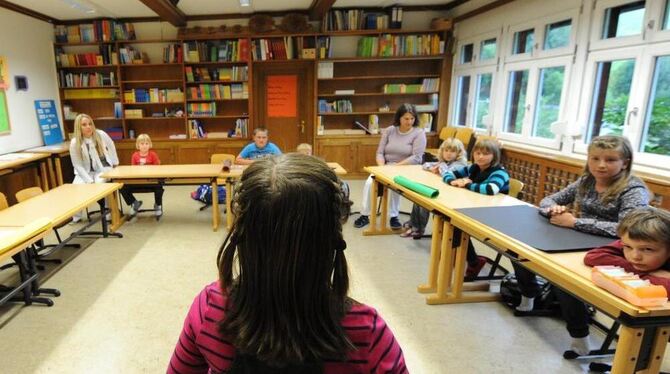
[(92, 152)]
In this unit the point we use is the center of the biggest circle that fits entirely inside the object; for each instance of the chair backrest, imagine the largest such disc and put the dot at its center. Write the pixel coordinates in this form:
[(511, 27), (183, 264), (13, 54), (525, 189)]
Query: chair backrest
[(447, 132), (219, 158), (27, 193), (464, 134), (3, 201), (515, 187)]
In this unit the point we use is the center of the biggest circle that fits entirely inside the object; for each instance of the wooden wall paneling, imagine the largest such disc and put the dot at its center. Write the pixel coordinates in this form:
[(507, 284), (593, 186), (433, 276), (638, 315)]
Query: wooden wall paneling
[(337, 150), (193, 153)]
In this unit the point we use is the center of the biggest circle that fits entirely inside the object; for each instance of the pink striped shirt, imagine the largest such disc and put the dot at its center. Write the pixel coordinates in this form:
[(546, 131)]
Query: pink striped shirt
[(201, 348)]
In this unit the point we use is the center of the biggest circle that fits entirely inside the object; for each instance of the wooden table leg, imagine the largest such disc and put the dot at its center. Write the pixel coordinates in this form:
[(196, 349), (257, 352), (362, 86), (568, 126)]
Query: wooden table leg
[(59, 171), (52, 173), (376, 228), (229, 203), (435, 250), (43, 176), (116, 214), (215, 205), (450, 285), (627, 350)]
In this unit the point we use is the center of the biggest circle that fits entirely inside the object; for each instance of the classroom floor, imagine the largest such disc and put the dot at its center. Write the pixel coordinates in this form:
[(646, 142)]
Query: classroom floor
[(124, 300)]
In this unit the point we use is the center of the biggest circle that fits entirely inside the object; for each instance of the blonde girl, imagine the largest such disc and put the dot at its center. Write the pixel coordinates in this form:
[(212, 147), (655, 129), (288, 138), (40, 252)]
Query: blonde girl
[(601, 197), (451, 155), (92, 152), (144, 156)]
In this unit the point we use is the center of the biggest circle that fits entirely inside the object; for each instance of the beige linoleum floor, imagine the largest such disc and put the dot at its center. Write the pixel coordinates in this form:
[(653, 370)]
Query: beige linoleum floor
[(123, 303)]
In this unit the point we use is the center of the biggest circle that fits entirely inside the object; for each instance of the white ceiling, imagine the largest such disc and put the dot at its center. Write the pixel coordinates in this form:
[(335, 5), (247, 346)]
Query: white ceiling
[(78, 9)]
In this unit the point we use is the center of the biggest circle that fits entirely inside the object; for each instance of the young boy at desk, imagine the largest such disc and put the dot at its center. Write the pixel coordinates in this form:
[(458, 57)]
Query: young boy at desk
[(644, 249), (260, 148)]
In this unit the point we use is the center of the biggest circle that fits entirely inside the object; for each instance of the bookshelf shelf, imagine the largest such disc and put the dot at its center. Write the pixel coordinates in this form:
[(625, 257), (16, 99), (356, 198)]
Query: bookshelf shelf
[(379, 32), (214, 63), (380, 59), (91, 99), (150, 81), (220, 117), (150, 65), (378, 94), (148, 41), (113, 66), (100, 119), (156, 103), (153, 118), (210, 100), (384, 77), (86, 87), (354, 113), (213, 82)]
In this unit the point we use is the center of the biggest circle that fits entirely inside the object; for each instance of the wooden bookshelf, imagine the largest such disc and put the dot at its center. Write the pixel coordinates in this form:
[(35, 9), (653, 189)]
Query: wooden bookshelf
[(365, 75)]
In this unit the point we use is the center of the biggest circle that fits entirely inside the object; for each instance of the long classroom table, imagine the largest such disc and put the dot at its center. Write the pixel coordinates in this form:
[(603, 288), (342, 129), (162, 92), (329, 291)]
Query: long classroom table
[(11, 162), (186, 174), (644, 331), (55, 152)]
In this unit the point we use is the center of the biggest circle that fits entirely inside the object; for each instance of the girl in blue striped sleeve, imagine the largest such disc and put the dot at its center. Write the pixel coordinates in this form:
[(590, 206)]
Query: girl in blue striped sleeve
[(485, 176)]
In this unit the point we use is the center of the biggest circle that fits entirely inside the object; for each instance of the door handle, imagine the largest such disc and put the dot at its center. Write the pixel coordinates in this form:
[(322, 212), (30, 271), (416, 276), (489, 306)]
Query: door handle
[(302, 127), (632, 112)]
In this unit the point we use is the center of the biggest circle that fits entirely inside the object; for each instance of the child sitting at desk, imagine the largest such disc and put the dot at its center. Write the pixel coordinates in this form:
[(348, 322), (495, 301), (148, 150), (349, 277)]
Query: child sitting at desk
[(304, 148), (451, 155), (260, 148), (281, 303), (601, 197), (485, 176), (143, 156), (644, 248)]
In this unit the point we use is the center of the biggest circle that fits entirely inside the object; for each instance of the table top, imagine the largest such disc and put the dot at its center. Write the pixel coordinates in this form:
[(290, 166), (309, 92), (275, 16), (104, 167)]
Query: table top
[(14, 239), (164, 171), (51, 149), (10, 160), (58, 204), (449, 199)]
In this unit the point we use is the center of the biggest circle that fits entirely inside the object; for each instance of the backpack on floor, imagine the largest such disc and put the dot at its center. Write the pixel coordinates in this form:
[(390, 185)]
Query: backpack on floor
[(204, 194), (546, 301)]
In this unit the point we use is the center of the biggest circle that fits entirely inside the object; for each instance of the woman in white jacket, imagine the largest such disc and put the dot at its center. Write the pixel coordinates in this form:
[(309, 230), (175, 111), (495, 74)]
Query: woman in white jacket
[(92, 152)]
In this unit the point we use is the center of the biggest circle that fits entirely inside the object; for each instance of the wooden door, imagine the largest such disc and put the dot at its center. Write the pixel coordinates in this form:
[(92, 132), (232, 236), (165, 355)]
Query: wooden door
[(283, 95)]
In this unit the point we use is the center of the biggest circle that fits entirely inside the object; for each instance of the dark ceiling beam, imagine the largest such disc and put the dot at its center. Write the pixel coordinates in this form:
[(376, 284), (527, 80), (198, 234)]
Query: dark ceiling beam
[(167, 11), (27, 12), (481, 10), (319, 8)]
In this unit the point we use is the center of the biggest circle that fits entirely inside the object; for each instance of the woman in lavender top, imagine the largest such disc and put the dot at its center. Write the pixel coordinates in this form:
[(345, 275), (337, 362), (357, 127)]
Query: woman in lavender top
[(401, 144)]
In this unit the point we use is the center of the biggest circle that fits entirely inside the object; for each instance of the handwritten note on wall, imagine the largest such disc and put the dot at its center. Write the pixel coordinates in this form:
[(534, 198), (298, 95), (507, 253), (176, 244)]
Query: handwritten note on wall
[(282, 95)]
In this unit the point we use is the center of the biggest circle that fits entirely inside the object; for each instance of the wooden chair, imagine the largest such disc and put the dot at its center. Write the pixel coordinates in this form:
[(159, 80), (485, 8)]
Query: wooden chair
[(446, 133), (465, 135), (515, 188), (225, 159), (3, 201)]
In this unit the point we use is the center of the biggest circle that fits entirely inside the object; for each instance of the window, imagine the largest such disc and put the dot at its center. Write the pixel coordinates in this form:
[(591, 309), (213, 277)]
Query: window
[(610, 98), (623, 20), (523, 41), (461, 112), (516, 101), (483, 102), (548, 101), (557, 34), (656, 133), (666, 22), (487, 50), (466, 53)]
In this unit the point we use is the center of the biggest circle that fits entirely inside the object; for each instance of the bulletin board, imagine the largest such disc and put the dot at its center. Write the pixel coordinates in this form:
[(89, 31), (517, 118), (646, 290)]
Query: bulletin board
[(282, 92)]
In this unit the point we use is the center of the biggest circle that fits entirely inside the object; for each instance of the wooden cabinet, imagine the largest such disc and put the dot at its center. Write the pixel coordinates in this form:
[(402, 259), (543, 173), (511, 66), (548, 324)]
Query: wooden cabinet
[(183, 151)]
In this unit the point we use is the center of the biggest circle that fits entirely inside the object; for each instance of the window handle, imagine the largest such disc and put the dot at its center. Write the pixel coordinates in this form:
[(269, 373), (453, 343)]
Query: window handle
[(632, 112)]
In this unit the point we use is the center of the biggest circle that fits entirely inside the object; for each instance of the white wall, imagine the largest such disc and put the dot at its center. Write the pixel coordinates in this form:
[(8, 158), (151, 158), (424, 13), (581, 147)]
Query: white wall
[(27, 46)]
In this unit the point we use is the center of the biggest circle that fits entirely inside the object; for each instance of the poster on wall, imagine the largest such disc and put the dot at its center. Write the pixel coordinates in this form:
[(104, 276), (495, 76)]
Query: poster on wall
[(48, 121), (4, 78), (282, 95), (5, 128)]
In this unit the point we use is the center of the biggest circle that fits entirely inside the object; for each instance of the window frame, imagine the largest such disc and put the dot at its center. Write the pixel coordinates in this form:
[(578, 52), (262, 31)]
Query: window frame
[(590, 71), (598, 18), (656, 18)]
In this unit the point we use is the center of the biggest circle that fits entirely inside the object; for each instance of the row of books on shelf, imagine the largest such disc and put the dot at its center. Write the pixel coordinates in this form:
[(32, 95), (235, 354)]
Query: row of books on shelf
[(93, 93), (105, 56), (196, 130), (153, 95), (389, 45), (217, 51), (173, 53), (70, 80), (427, 85), (336, 106), (134, 113), (219, 91), (201, 109), (359, 19), (97, 31), (284, 48), (130, 55), (234, 73)]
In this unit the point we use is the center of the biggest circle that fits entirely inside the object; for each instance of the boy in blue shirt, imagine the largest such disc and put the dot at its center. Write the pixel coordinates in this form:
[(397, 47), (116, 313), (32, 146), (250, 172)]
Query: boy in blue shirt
[(260, 148)]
